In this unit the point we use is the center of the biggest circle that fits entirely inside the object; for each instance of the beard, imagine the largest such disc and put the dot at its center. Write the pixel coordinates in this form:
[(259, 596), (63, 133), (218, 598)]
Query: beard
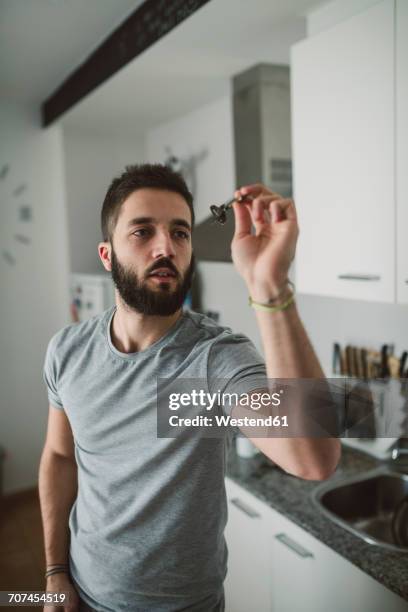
[(163, 301)]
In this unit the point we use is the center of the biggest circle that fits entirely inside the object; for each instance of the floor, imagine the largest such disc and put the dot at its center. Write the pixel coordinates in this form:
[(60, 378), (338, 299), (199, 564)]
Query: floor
[(21, 544)]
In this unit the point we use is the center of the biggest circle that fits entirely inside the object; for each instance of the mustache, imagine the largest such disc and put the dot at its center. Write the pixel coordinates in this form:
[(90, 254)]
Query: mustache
[(162, 263)]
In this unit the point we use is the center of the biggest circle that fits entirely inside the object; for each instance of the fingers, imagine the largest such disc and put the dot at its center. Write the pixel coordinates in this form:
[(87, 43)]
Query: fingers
[(255, 190), (282, 209), (258, 209), (243, 221), (270, 209), (266, 207)]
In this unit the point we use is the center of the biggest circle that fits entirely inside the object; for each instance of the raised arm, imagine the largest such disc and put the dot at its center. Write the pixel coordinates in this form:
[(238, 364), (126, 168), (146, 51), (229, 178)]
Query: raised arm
[(263, 259)]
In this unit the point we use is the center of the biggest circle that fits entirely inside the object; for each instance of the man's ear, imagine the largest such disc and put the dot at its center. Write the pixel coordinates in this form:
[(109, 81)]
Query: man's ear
[(105, 253)]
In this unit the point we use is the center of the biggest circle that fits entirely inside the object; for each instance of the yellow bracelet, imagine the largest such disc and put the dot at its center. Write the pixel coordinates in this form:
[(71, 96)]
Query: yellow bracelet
[(268, 308), (273, 301)]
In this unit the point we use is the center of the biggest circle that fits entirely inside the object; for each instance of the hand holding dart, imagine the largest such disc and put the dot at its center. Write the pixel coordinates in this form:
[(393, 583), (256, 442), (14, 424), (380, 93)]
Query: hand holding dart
[(264, 241)]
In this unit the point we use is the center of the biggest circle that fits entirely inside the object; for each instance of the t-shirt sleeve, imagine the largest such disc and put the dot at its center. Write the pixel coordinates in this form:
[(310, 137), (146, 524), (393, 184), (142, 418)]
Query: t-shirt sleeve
[(50, 375), (235, 366)]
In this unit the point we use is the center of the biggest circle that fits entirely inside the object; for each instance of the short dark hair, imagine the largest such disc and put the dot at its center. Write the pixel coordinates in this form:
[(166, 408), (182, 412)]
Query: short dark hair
[(140, 176)]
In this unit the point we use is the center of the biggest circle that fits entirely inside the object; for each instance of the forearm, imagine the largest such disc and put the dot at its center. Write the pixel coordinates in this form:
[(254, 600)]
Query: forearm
[(263, 258), (289, 354), (58, 490), (287, 348)]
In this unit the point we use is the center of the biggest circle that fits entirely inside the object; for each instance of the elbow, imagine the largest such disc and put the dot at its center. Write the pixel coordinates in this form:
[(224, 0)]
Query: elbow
[(316, 473), (323, 467)]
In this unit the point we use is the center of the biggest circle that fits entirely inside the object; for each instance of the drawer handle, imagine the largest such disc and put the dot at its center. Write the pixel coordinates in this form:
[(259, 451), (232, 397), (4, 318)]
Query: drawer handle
[(299, 550), (362, 277), (245, 508)]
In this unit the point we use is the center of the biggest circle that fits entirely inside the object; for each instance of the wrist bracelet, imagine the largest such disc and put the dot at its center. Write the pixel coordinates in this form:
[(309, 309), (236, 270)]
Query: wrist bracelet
[(270, 306), (281, 293), (56, 569)]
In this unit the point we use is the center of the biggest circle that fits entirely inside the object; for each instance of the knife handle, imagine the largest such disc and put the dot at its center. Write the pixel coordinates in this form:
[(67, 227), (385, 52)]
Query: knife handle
[(394, 366), (364, 363), (385, 371), (343, 363), (349, 361), (358, 365), (403, 360), (336, 365)]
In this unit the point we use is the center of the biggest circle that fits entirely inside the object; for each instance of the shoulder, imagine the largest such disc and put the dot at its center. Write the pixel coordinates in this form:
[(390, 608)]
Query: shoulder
[(205, 326), (209, 330), (231, 357), (77, 335)]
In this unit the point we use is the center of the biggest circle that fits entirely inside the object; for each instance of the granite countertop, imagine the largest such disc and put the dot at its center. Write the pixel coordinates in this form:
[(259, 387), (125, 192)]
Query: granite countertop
[(291, 497)]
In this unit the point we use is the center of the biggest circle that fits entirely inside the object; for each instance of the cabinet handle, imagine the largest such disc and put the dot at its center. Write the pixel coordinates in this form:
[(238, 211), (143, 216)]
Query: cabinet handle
[(245, 508), (299, 550), (362, 277)]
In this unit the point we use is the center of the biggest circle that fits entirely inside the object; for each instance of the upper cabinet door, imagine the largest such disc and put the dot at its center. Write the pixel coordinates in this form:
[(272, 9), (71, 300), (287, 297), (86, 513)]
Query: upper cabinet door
[(343, 151), (402, 150)]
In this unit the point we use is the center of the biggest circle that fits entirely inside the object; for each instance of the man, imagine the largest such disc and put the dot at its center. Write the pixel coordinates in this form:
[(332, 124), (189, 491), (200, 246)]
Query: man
[(133, 521)]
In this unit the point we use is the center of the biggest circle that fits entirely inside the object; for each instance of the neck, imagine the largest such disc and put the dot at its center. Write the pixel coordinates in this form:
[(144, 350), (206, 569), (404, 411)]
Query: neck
[(133, 331)]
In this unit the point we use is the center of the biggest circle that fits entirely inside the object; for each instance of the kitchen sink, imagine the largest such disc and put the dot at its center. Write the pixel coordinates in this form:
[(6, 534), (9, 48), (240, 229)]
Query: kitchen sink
[(369, 505)]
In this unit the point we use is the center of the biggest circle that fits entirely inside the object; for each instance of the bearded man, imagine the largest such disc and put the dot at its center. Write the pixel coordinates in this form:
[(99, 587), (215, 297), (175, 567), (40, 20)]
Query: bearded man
[(134, 521)]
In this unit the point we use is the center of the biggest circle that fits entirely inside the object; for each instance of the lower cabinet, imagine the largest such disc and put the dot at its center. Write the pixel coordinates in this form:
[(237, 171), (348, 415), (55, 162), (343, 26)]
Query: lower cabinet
[(248, 584), (275, 566)]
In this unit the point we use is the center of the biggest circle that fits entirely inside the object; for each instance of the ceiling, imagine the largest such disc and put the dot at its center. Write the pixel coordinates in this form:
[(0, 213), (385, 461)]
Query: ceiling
[(193, 64), (43, 41)]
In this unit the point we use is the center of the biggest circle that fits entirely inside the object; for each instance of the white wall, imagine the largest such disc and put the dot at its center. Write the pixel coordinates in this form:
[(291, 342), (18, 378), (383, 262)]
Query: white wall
[(34, 290), (92, 160)]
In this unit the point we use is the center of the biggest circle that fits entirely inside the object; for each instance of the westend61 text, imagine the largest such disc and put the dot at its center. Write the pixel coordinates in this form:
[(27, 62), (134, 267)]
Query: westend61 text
[(228, 421)]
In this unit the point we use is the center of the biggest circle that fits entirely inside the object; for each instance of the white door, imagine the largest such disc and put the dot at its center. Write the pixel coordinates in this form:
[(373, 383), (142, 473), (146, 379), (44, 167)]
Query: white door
[(343, 153), (402, 150), (308, 576), (248, 582)]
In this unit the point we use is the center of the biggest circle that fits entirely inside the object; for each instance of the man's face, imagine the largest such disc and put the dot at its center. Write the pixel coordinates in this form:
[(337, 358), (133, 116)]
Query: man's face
[(151, 254)]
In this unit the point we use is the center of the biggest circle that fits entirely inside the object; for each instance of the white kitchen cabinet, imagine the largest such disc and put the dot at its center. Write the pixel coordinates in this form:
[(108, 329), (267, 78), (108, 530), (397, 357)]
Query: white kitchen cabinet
[(248, 584), (309, 576), (275, 566), (343, 99), (402, 149)]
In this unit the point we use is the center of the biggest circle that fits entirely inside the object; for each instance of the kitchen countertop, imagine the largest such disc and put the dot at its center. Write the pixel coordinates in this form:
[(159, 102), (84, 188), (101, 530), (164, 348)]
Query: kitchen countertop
[(291, 497)]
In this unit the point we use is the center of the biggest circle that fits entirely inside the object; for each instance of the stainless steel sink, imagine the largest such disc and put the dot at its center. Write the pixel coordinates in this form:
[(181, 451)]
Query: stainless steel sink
[(366, 504)]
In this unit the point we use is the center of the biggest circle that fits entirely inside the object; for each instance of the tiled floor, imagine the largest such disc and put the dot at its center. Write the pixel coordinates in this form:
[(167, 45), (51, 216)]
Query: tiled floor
[(21, 545)]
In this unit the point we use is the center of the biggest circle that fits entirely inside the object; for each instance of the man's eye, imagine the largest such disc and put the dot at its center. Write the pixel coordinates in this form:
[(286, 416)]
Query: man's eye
[(182, 234), (141, 233)]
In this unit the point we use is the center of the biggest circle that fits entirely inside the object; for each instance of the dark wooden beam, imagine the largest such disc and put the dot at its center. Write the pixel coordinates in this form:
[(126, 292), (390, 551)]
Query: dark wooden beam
[(145, 26)]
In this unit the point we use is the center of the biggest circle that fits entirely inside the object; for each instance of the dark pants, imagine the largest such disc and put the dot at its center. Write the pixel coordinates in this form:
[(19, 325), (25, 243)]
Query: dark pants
[(211, 603)]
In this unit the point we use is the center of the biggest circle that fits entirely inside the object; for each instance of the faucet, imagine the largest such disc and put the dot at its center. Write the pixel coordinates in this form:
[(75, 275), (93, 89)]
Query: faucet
[(399, 454), (399, 449)]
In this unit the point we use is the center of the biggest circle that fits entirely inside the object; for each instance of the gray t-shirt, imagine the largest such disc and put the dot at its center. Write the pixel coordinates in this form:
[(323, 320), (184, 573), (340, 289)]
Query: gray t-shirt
[(147, 525)]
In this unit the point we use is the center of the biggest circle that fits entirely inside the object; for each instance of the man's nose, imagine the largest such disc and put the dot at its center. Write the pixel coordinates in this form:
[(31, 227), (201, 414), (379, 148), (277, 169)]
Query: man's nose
[(163, 246)]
